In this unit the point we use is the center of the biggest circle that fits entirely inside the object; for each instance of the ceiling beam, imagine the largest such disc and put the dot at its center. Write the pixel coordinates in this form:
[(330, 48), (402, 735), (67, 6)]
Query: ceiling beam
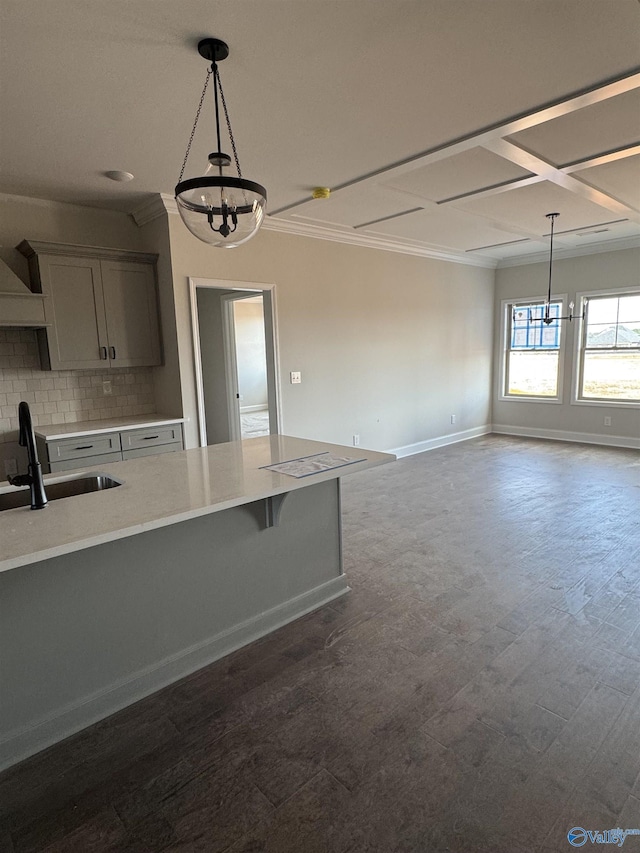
[(484, 138), (526, 160), (601, 159)]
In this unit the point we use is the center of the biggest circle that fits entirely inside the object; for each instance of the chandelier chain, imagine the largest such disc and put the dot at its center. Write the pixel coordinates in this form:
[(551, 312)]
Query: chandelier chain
[(195, 124), (226, 115)]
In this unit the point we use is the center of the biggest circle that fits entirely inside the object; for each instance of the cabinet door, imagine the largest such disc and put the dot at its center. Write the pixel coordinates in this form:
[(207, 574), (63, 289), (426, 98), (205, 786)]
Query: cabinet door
[(77, 337), (131, 311)]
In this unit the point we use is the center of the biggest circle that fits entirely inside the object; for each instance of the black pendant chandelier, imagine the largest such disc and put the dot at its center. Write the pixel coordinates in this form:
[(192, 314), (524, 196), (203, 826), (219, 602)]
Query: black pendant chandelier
[(220, 210), (547, 316)]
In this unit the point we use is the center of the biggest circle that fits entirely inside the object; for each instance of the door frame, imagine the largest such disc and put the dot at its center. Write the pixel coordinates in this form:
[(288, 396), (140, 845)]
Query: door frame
[(244, 289), (231, 359)]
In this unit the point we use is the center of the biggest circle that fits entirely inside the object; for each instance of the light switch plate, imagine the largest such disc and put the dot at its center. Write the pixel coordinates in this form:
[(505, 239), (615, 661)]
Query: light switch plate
[(296, 377)]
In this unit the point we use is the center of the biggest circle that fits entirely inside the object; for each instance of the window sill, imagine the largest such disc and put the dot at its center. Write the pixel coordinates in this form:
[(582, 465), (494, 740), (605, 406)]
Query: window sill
[(608, 404), (503, 398)]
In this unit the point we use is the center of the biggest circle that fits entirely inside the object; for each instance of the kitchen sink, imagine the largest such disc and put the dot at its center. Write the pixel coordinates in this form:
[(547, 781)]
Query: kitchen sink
[(67, 488)]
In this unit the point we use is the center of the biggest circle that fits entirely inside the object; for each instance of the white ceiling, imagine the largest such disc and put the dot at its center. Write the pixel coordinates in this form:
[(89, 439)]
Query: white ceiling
[(444, 127)]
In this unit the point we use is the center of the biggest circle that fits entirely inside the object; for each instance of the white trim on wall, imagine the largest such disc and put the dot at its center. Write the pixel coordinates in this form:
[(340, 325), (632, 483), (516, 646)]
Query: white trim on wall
[(565, 435), (162, 204), (440, 441), (577, 252)]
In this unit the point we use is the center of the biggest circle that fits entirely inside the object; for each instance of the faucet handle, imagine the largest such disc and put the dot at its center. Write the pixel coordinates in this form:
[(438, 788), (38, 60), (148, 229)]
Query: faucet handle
[(20, 480)]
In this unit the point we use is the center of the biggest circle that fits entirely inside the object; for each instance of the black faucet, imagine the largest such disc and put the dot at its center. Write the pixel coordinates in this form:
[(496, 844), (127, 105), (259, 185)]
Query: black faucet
[(33, 477)]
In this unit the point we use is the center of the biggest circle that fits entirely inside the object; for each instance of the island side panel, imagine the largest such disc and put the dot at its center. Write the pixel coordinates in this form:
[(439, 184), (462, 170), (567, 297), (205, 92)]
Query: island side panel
[(85, 634)]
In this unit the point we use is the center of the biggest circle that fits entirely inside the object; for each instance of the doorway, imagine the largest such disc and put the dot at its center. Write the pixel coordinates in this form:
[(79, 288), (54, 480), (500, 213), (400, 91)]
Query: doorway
[(235, 352)]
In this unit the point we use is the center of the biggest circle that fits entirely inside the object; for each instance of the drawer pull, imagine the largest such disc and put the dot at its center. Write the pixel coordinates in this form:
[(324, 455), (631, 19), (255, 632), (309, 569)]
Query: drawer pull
[(149, 437), (103, 353), (113, 352), (84, 447)]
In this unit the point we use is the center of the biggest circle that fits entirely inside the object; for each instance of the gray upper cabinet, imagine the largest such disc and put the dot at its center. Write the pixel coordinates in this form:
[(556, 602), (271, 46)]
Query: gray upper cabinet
[(101, 306), (131, 311)]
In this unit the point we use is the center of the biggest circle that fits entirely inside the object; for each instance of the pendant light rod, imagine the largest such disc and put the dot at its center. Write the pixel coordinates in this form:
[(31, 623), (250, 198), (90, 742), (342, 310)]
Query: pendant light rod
[(214, 69), (546, 318), (552, 217)]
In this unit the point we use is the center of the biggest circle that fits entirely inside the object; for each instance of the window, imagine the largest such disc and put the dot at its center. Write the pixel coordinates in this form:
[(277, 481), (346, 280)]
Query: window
[(610, 349), (532, 356)]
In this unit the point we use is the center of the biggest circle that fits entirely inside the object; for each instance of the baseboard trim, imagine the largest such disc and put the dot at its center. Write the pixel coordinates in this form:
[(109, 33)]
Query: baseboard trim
[(246, 410), (440, 441), (566, 435), (21, 744)]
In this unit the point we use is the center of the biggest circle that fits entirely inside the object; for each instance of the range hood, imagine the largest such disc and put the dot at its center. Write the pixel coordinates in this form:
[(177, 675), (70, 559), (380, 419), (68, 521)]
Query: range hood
[(19, 306)]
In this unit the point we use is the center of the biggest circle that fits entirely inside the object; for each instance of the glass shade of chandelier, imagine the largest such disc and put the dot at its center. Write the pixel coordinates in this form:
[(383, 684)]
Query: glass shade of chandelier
[(219, 209)]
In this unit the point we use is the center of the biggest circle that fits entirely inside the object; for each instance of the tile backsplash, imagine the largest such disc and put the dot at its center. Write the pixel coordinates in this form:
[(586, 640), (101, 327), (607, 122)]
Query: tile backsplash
[(64, 396)]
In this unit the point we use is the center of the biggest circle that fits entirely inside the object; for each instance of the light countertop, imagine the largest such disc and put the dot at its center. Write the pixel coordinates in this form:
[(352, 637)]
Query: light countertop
[(160, 490), (51, 432)]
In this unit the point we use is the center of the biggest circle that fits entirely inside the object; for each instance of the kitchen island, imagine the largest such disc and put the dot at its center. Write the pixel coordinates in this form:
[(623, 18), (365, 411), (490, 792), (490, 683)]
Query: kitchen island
[(109, 596)]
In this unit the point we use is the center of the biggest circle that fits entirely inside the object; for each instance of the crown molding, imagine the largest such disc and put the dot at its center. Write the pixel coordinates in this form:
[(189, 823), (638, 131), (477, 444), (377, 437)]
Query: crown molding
[(153, 208), (572, 252), (319, 232), (33, 248), (162, 204)]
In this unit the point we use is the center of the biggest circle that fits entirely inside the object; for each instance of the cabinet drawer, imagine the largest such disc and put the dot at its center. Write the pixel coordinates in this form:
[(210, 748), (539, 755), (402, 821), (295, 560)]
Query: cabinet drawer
[(92, 461), (152, 451), (85, 446), (151, 437)]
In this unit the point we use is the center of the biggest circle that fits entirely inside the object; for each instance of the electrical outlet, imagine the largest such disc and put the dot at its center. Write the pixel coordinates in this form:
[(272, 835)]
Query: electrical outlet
[(107, 389), (296, 377), (356, 440), (10, 467), (453, 419), (607, 421)]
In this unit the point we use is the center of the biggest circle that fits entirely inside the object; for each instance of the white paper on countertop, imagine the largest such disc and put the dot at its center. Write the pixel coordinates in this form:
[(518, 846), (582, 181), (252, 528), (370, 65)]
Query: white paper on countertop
[(316, 464)]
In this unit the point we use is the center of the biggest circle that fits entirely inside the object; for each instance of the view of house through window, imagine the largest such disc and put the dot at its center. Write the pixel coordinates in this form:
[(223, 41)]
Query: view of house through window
[(533, 350), (610, 352)]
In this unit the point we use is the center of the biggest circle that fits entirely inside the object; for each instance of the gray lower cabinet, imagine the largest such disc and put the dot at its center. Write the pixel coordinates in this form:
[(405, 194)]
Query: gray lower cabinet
[(148, 442), (66, 454)]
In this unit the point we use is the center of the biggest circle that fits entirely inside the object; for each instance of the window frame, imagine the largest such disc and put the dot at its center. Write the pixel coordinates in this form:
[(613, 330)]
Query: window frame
[(582, 297), (507, 306)]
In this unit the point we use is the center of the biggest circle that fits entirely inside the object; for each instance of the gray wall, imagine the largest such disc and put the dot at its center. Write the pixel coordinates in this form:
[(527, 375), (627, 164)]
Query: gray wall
[(389, 346), (608, 270)]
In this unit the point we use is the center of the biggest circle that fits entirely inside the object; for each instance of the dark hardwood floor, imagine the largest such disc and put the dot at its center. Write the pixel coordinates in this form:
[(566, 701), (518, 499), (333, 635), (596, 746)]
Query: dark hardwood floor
[(478, 690)]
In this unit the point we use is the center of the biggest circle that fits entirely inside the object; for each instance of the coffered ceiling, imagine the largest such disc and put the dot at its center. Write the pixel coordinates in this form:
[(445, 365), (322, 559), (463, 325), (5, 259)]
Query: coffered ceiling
[(443, 127)]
